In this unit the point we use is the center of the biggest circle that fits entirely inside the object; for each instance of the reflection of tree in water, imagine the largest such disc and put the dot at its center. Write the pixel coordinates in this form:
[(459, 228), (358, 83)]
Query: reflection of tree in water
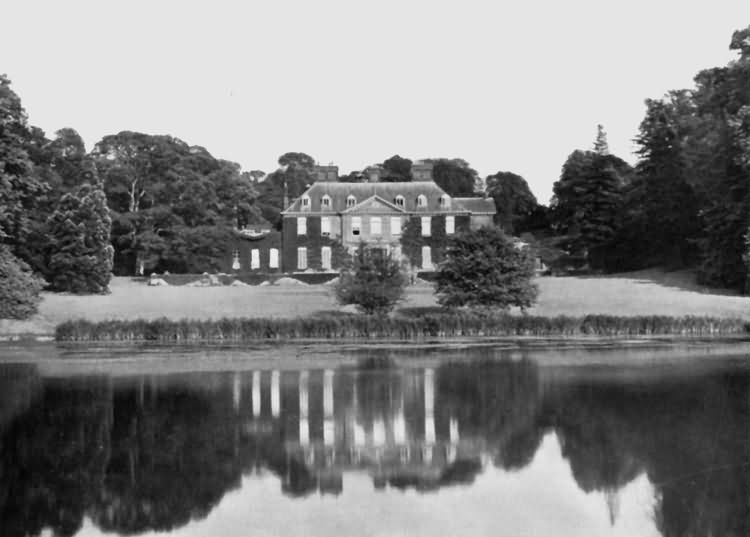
[(171, 460), (497, 401), (690, 437), (53, 459), (19, 386), (142, 456)]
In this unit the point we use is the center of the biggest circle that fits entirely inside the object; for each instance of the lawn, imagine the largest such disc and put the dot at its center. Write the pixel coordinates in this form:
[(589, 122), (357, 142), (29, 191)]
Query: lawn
[(639, 293)]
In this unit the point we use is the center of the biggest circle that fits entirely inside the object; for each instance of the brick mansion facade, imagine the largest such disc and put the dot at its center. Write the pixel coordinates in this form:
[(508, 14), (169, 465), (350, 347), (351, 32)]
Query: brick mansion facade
[(409, 220)]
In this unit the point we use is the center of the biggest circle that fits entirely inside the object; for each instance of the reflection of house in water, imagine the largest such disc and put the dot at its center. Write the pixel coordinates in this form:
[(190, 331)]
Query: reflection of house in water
[(391, 425)]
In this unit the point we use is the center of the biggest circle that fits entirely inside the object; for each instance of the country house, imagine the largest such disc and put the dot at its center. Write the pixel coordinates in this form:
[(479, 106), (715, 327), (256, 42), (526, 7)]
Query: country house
[(409, 220)]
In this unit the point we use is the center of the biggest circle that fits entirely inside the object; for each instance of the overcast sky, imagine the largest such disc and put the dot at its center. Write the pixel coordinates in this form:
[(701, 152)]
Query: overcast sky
[(505, 85)]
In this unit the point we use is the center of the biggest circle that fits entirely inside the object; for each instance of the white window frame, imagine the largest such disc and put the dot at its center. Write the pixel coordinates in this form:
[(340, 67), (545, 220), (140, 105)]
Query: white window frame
[(273, 258), (254, 258), (325, 258), (399, 201), (450, 225), (235, 259), (426, 226), (302, 258), (395, 225), (376, 225), (421, 201), (426, 258), (325, 226), (305, 203), (301, 225), (325, 202), (445, 201), (351, 201), (357, 225)]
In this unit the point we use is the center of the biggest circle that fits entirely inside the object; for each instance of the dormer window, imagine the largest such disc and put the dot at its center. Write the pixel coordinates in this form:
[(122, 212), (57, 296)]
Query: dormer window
[(305, 203), (325, 202), (444, 201), (351, 201), (422, 201), (399, 201)]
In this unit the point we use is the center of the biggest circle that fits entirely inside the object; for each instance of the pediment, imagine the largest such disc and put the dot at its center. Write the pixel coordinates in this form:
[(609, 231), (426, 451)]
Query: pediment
[(375, 205)]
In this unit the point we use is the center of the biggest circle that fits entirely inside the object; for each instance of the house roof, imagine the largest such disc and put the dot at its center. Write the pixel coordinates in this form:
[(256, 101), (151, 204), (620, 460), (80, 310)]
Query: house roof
[(375, 204), (477, 205), (339, 192)]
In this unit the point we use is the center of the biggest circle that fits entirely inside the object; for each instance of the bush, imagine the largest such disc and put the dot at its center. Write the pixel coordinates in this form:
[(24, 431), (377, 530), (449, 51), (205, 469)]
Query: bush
[(19, 288), (372, 280), (484, 268)]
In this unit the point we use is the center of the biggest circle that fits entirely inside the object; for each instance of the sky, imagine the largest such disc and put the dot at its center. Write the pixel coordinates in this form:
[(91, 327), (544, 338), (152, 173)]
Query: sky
[(507, 86)]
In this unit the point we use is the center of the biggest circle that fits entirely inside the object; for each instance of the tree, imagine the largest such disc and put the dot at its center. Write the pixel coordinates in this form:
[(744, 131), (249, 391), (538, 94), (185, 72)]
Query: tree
[(19, 292), (156, 185), (372, 280), (661, 194), (455, 176), (717, 162), (397, 169), (19, 188), (289, 181), (297, 160), (484, 268), (585, 204), (514, 201), (81, 256), (601, 147)]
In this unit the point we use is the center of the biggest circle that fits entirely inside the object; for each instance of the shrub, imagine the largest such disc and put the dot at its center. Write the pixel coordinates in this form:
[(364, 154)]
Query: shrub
[(484, 268), (19, 288), (371, 280)]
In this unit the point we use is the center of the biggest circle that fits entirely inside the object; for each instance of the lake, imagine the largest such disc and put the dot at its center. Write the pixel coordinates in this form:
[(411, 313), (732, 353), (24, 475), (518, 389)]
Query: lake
[(381, 441)]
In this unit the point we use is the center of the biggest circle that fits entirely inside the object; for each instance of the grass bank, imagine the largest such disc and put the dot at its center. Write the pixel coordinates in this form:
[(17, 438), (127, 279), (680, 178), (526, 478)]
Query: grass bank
[(410, 325)]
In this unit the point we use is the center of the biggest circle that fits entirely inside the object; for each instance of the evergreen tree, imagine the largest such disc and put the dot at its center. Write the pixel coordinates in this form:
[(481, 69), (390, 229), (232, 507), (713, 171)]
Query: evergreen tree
[(585, 204), (81, 254), (601, 147), (719, 145), (484, 268), (372, 280), (661, 197)]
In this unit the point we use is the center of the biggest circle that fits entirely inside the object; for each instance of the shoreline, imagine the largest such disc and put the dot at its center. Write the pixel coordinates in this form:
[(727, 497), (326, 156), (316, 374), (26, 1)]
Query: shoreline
[(55, 359)]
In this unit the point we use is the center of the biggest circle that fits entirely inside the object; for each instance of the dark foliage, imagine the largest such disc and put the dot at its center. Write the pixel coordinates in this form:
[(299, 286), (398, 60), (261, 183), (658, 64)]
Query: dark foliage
[(455, 176), (517, 208), (397, 169), (585, 205), (484, 268), (80, 253), (372, 280), (19, 288)]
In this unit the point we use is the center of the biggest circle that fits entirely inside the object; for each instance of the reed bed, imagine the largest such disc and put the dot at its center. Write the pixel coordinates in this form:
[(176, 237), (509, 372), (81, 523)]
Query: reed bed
[(433, 323)]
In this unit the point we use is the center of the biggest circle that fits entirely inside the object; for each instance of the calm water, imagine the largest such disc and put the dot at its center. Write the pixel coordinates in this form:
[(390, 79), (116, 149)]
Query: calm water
[(466, 445)]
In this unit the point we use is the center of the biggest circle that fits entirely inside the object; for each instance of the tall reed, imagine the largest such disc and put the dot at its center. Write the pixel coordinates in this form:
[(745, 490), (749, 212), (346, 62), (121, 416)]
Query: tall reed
[(413, 325)]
